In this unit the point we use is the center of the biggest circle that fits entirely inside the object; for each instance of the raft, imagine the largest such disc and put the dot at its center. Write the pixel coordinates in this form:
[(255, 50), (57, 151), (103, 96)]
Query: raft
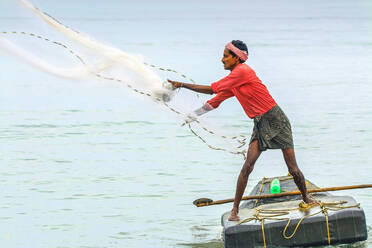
[(287, 222)]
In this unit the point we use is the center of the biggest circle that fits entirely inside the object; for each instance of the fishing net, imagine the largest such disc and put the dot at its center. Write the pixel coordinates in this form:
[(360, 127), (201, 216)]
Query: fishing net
[(49, 45)]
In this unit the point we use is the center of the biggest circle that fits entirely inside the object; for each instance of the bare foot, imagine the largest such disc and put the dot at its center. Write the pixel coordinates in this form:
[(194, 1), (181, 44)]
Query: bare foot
[(310, 200), (234, 216)]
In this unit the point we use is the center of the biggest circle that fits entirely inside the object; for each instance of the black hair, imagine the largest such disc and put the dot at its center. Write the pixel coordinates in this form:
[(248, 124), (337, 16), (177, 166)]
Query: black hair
[(241, 45)]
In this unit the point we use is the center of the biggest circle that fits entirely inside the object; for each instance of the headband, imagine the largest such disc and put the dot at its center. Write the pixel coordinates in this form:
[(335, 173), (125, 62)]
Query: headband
[(243, 55)]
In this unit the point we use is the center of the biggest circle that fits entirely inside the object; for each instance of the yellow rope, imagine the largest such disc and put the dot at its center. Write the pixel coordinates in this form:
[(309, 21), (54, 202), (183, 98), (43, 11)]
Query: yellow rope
[(272, 214), (259, 193), (297, 226), (268, 180), (263, 232), (329, 238)]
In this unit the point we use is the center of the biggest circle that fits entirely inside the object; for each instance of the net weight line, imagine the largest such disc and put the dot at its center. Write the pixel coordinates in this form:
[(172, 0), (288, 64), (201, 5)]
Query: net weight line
[(241, 139)]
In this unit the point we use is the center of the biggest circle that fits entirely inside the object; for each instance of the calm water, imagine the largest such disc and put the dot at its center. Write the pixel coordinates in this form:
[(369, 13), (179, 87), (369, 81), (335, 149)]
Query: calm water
[(86, 164)]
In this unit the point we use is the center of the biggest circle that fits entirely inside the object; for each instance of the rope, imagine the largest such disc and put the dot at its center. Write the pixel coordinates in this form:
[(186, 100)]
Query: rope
[(216, 148), (48, 40), (241, 139), (269, 180), (273, 214), (259, 193), (263, 231)]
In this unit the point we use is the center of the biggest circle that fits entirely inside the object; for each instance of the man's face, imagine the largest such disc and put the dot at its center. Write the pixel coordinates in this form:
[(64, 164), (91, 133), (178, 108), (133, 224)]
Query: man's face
[(229, 62)]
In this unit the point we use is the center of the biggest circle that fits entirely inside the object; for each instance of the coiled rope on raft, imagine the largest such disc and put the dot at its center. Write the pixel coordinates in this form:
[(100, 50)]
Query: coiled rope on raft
[(241, 139), (277, 214)]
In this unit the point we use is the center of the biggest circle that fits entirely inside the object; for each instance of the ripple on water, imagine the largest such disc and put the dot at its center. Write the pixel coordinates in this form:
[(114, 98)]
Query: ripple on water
[(42, 125), (60, 227), (123, 235)]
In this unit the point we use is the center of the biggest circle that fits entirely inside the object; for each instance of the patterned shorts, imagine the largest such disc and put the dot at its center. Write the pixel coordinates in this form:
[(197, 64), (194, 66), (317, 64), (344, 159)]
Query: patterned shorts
[(272, 130)]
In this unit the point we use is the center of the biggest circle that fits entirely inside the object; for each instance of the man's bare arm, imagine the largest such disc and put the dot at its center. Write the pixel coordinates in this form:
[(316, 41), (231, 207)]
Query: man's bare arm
[(205, 89)]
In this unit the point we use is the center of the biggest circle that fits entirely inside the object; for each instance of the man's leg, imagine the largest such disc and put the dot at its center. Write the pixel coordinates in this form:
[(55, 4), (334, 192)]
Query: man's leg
[(252, 155), (298, 177)]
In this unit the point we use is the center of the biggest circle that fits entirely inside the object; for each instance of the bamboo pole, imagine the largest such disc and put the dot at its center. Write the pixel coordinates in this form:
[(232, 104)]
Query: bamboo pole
[(202, 202)]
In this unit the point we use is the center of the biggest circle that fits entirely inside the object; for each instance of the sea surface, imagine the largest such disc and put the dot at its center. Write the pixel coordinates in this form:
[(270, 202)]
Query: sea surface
[(90, 164)]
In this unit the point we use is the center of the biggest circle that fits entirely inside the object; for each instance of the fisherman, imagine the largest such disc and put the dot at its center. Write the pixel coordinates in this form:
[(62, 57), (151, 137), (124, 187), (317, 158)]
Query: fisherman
[(272, 129)]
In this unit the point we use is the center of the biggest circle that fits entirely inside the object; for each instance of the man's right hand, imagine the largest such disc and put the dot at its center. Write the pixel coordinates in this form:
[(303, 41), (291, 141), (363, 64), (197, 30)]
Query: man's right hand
[(205, 89), (175, 84)]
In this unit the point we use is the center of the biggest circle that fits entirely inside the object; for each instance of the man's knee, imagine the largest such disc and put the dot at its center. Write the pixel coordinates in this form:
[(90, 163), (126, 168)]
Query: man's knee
[(294, 171)]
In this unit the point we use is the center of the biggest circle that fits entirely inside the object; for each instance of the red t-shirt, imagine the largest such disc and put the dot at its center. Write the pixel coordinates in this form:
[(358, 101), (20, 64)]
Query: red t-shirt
[(243, 83)]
